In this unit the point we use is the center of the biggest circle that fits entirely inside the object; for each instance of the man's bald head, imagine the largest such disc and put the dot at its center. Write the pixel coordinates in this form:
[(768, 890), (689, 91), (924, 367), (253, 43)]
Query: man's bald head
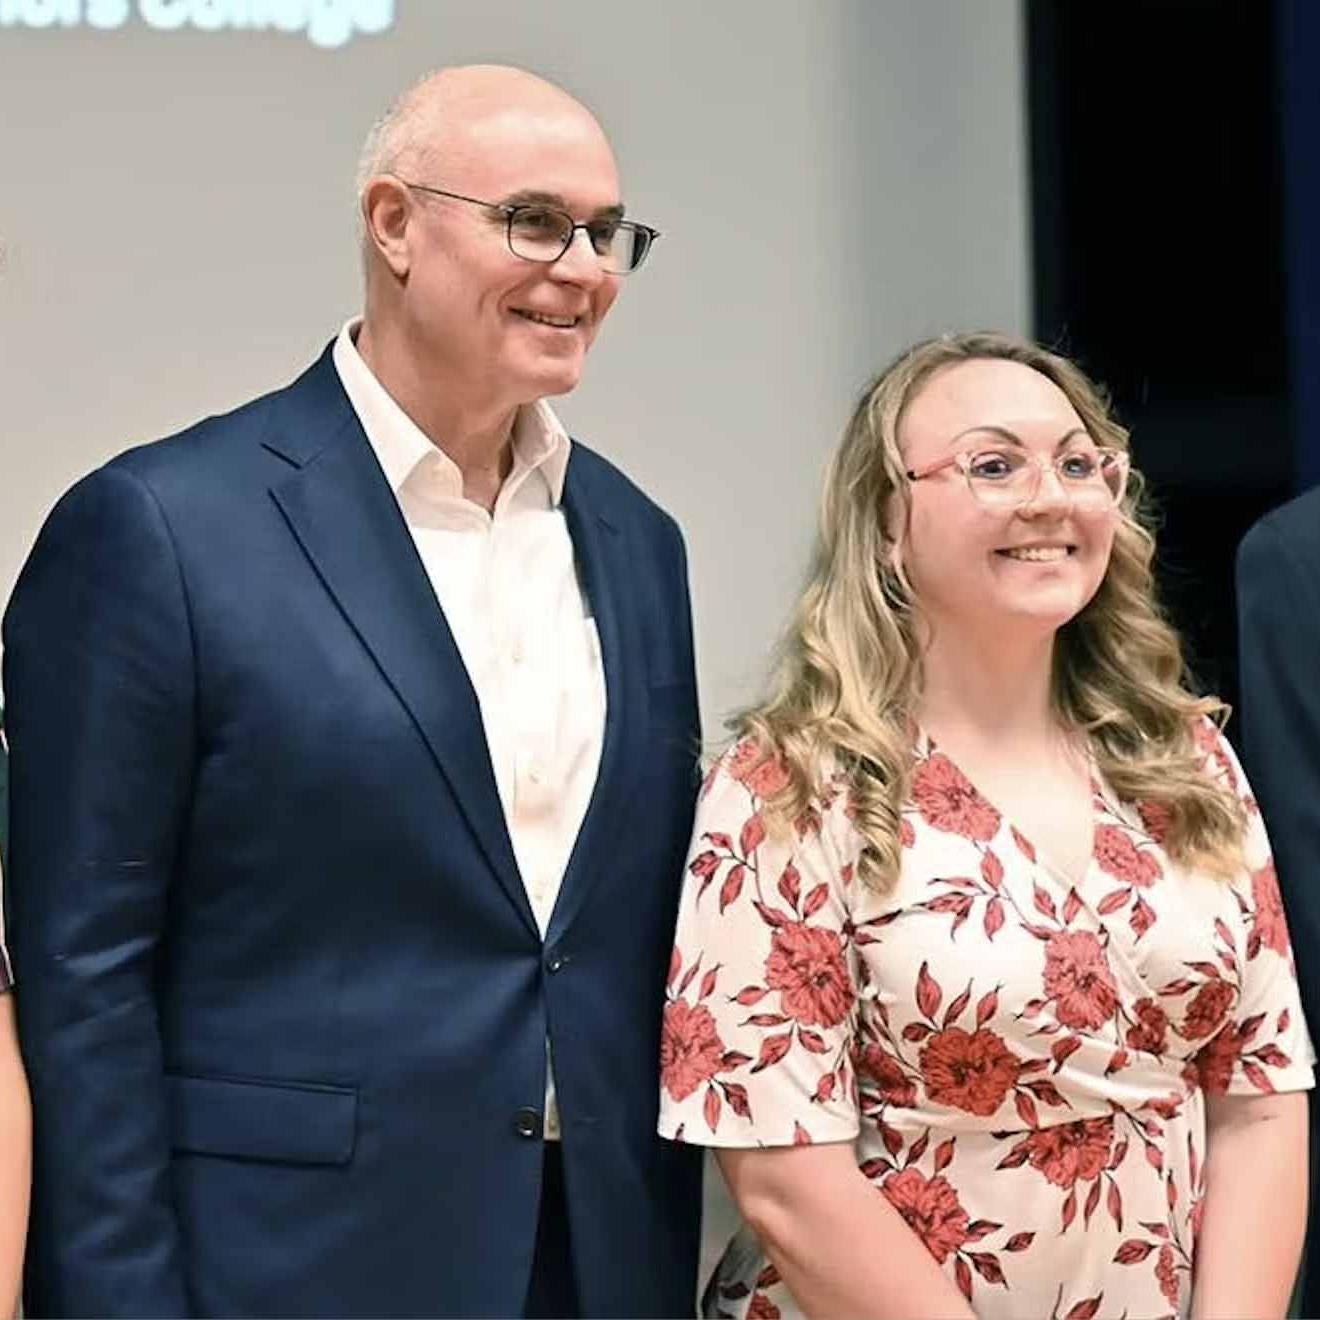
[(446, 109)]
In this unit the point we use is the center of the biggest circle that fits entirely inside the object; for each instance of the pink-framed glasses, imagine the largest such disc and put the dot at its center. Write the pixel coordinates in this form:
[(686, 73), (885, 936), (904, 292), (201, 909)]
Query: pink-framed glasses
[(1007, 477)]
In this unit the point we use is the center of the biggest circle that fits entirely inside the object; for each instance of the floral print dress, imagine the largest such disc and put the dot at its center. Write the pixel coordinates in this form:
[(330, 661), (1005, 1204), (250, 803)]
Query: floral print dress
[(1021, 1062)]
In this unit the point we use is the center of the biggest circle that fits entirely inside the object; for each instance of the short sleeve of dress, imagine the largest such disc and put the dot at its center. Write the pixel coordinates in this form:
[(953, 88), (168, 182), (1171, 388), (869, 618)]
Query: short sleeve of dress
[(1264, 1046), (759, 1008)]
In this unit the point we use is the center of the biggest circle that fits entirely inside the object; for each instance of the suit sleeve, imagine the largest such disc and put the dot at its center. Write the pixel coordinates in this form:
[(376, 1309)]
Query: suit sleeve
[(1279, 642), (99, 683)]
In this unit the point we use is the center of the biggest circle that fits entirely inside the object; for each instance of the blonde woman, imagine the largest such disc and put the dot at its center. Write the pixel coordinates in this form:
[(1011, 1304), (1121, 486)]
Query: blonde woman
[(15, 1114), (982, 988)]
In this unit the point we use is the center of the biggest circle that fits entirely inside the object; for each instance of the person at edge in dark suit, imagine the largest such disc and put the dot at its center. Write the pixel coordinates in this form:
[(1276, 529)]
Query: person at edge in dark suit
[(354, 738), (1278, 592), (15, 1110)]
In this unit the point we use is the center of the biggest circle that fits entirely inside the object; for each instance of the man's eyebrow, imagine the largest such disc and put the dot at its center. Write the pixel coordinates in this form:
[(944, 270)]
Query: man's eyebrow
[(1005, 434), (537, 197)]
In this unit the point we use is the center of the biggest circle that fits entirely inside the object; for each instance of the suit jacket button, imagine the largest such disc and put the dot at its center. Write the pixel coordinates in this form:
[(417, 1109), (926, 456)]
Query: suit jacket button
[(528, 1122), (555, 961)]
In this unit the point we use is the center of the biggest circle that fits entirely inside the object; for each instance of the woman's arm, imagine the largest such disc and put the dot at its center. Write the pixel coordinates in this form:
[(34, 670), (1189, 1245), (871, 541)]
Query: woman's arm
[(1255, 1206), (839, 1245), (15, 1158)]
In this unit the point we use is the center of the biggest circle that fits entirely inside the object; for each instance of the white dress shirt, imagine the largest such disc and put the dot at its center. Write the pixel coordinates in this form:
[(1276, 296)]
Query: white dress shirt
[(507, 583)]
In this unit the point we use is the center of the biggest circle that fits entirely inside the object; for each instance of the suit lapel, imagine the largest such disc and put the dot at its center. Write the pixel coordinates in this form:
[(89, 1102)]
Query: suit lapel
[(604, 562), (347, 521)]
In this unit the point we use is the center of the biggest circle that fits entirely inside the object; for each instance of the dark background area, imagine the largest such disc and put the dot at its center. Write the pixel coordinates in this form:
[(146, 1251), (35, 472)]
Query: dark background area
[(1159, 246)]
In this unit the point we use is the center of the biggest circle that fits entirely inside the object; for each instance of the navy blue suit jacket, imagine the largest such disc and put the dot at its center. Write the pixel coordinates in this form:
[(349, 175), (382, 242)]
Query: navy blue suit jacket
[(1278, 588), (284, 1000)]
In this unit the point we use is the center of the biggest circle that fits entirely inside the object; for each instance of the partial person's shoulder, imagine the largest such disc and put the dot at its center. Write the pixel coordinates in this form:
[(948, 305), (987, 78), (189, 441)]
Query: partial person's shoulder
[(613, 492), (1293, 529)]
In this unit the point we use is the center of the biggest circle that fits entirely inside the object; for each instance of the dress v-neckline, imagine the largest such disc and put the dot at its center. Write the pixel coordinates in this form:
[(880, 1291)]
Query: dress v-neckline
[(1098, 797)]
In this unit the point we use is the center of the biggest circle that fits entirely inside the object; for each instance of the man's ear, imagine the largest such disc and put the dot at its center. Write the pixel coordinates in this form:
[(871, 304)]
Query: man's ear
[(386, 211)]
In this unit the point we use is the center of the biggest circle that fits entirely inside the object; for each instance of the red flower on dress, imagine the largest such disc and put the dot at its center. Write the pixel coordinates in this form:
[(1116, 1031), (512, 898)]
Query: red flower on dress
[(762, 1308), (690, 1048), (1167, 1274), (1078, 979), (1207, 1009), (806, 966), (973, 1072), (1148, 1032), (1217, 1058), (1071, 1151), (930, 1208), (762, 773), (1271, 924), (947, 800), (895, 1087), (1120, 857)]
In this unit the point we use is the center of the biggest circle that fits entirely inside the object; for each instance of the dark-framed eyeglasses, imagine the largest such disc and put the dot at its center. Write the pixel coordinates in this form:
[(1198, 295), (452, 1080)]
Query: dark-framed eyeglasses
[(1005, 477), (536, 232)]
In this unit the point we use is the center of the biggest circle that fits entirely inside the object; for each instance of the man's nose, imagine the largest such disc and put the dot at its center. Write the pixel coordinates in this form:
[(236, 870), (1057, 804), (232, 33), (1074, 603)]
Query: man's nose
[(579, 262)]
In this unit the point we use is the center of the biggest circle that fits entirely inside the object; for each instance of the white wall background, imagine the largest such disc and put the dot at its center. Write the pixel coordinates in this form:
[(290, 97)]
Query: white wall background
[(834, 179)]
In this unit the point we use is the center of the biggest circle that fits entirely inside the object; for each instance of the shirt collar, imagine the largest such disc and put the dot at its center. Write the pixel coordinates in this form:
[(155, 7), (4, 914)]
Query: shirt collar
[(540, 443)]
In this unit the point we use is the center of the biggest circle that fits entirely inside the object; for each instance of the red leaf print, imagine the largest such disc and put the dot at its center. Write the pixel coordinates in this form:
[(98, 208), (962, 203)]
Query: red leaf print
[(992, 869), (711, 1108), (1161, 1231), (1019, 1242), (801, 1137), (750, 995), (768, 1277), (1249, 1027), (1171, 1188), (1112, 901), (1133, 1251), (1285, 1017), (1046, 1092), (874, 1168), (1224, 933), (994, 917), (1061, 1049), (765, 1020), (892, 1138), (676, 966), (824, 1089), (915, 1031), (1117, 1060), (1142, 918), (687, 977), (708, 983), (1026, 1107), (980, 1228), (704, 864), (1072, 907), (771, 916), (1015, 1158), (1069, 1210), (987, 1006), (789, 886), (963, 1274), (1273, 1055), (987, 1266), (1092, 1200), (773, 1048), (1024, 845), (943, 1155), (1086, 1310), (954, 1011), (718, 840), (1256, 1076), (752, 836), (1154, 1158), (1044, 903), (816, 900), (917, 1149), (1114, 1204), (732, 886), (733, 1059), (929, 993), (737, 1097), (1119, 1151), (813, 1041)]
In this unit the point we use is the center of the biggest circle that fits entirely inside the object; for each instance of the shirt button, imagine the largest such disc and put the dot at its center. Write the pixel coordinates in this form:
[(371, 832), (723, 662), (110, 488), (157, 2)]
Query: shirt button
[(535, 773), (528, 1122)]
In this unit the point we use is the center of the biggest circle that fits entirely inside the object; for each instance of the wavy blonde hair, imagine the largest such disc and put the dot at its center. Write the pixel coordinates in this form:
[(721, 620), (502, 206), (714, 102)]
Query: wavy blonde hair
[(845, 686)]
